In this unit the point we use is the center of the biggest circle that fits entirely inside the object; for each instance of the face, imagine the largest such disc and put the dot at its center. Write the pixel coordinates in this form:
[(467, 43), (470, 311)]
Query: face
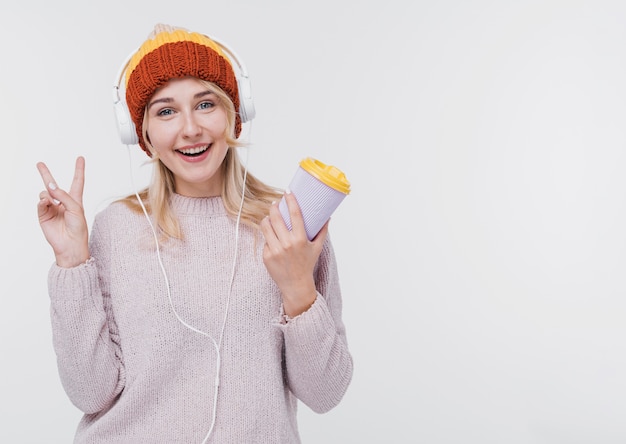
[(186, 126)]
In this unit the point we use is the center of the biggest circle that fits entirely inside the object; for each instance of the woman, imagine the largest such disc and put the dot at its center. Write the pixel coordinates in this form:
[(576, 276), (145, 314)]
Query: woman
[(191, 313)]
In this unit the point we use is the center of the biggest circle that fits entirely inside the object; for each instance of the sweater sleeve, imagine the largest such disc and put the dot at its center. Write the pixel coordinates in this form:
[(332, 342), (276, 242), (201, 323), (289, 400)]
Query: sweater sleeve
[(84, 333), (318, 363)]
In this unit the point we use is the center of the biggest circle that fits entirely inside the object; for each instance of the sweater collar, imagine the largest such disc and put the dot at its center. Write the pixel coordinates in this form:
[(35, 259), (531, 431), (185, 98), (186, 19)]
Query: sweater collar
[(197, 205)]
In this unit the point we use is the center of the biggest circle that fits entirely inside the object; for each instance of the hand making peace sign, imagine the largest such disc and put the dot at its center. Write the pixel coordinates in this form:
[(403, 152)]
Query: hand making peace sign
[(62, 217)]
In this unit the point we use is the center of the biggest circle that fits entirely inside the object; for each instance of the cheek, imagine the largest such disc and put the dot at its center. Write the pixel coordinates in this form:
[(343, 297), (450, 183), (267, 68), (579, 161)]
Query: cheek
[(158, 136), (217, 121)]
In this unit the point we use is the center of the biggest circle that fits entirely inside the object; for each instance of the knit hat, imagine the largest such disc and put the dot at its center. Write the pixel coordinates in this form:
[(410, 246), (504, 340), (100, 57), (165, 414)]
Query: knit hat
[(174, 53)]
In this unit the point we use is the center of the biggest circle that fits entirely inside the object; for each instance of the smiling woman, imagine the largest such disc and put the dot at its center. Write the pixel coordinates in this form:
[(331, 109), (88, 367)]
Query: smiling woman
[(186, 127), (224, 283)]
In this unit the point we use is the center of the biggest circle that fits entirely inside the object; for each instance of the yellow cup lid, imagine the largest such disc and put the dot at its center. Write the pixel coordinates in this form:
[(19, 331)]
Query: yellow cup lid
[(328, 174)]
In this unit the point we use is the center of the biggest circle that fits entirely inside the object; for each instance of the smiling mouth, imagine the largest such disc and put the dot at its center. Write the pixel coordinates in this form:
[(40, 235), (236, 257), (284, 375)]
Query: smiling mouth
[(192, 152)]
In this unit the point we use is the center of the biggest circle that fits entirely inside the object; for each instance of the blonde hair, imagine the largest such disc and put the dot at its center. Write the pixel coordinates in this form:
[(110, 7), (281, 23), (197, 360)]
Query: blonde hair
[(256, 201)]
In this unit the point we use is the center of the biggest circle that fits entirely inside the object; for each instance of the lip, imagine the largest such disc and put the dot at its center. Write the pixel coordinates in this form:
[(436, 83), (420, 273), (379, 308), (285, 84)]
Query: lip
[(194, 159)]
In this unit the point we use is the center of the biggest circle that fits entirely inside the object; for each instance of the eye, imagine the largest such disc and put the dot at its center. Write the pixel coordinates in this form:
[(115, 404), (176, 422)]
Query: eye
[(165, 112), (206, 105)]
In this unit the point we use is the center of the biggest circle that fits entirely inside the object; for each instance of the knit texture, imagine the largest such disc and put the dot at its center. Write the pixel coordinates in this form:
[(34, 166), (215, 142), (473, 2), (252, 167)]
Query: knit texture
[(141, 376), (170, 55)]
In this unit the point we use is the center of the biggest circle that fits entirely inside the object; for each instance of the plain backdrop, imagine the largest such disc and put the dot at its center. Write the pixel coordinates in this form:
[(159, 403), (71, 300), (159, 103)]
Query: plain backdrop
[(481, 250)]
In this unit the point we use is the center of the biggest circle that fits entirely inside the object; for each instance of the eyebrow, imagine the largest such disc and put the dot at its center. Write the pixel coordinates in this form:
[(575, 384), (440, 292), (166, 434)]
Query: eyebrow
[(170, 99)]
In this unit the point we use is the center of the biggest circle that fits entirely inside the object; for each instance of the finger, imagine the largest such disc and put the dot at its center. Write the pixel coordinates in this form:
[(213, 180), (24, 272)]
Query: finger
[(295, 214), (46, 209), (268, 233), (49, 182), (57, 195), (78, 182), (278, 223), (44, 195), (46, 176), (60, 196)]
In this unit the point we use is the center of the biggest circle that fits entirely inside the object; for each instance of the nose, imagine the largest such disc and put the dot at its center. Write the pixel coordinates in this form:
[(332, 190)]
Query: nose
[(191, 127)]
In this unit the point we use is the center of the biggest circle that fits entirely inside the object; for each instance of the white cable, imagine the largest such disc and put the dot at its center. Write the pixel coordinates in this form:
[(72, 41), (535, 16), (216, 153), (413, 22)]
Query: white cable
[(232, 274), (216, 345)]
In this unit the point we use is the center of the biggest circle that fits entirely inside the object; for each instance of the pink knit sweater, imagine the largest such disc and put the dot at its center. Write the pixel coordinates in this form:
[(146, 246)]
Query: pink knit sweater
[(141, 376)]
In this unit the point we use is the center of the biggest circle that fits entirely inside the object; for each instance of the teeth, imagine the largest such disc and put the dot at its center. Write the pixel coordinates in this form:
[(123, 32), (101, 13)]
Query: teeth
[(194, 150)]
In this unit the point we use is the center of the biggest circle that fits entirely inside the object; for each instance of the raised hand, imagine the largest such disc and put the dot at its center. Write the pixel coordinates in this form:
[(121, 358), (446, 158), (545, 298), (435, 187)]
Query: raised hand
[(62, 217), (290, 257)]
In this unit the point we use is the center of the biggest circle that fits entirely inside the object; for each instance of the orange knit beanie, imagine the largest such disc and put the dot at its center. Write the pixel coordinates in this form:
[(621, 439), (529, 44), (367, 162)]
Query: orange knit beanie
[(173, 53)]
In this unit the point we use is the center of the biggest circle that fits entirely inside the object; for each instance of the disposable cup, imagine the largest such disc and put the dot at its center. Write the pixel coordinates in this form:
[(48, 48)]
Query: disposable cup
[(319, 189)]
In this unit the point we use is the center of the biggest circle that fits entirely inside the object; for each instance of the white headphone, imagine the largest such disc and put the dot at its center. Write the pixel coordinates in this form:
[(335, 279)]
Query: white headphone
[(125, 125)]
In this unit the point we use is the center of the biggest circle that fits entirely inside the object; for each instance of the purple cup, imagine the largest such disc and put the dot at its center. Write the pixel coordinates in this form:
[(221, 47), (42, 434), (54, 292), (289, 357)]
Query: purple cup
[(319, 189)]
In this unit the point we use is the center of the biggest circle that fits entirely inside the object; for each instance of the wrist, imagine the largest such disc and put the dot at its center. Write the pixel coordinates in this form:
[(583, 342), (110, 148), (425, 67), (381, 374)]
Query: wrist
[(71, 260), (297, 306)]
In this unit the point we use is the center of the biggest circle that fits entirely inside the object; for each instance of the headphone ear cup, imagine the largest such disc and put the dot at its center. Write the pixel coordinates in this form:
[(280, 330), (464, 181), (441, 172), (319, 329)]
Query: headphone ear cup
[(125, 125), (246, 105)]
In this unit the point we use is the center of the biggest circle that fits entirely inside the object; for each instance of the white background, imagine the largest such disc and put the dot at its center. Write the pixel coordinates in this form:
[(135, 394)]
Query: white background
[(481, 250)]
